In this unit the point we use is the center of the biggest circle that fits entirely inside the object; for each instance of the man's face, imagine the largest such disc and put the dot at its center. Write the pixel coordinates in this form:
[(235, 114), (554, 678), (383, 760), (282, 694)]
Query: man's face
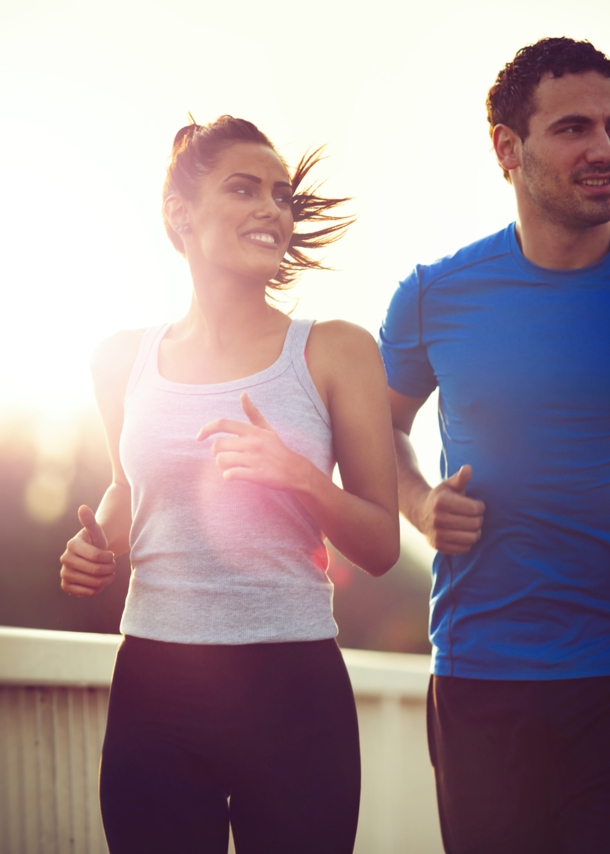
[(565, 160)]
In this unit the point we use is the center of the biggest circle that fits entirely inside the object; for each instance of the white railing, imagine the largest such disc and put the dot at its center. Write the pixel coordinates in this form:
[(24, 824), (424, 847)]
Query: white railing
[(53, 701)]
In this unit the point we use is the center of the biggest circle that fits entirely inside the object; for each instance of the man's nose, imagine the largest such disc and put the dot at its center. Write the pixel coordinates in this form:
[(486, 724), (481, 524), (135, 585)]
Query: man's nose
[(599, 150)]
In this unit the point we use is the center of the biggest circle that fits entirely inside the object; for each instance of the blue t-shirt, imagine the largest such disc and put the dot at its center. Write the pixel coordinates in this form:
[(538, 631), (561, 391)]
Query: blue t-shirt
[(521, 356)]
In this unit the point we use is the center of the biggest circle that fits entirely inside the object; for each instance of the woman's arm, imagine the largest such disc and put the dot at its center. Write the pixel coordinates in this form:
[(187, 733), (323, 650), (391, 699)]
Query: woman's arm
[(88, 562), (360, 520)]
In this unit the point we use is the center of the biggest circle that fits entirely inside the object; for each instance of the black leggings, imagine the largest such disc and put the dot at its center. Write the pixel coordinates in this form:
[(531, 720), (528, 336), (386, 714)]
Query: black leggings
[(272, 727)]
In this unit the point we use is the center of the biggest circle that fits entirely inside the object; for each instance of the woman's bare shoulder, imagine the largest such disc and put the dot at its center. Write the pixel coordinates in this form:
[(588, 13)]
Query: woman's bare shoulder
[(340, 339), (342, 356)]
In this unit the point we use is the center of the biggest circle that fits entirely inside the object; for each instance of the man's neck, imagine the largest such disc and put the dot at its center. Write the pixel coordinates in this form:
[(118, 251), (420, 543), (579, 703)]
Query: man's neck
[(559, 248)]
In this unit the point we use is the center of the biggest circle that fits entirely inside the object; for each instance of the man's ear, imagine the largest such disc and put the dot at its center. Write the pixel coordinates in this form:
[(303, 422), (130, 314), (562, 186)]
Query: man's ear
[(507, 145), (176, 213)]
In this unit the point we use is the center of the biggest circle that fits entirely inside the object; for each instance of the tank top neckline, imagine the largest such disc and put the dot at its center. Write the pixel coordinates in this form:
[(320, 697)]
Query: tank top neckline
[(274, 370)]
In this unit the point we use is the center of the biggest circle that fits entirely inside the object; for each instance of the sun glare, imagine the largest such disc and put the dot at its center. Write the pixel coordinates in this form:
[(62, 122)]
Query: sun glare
[(86, 125)]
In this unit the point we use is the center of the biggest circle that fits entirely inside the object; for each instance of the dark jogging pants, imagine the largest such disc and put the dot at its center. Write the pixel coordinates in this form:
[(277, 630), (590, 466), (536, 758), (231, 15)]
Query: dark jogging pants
[(263, 735), (521, 767)]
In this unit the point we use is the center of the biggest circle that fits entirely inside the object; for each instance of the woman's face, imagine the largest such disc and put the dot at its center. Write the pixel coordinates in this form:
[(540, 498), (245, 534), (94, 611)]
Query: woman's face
[(242, 221)]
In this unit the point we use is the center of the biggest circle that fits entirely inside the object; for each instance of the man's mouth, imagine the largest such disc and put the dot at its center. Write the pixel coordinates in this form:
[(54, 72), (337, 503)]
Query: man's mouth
[(595, 182)]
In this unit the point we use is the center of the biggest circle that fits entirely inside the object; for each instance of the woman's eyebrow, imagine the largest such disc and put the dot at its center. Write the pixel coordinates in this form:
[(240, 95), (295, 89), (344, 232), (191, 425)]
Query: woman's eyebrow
[(255, 179), (243, 175)]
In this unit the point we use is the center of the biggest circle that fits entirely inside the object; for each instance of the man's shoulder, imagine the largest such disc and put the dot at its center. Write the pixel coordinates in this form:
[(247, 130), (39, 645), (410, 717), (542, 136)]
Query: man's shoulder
[(488, 250)]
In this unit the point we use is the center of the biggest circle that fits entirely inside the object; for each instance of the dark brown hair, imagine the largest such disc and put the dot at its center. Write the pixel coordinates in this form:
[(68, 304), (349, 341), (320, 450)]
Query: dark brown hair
[(195, 152), (511, 100)]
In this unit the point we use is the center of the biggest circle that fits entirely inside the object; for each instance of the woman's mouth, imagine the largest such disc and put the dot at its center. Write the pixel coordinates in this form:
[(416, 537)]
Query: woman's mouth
[(268, 239)]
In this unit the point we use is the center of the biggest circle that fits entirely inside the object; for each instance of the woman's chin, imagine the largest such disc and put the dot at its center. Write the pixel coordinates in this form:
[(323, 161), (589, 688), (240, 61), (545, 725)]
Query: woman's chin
[(260, 273)]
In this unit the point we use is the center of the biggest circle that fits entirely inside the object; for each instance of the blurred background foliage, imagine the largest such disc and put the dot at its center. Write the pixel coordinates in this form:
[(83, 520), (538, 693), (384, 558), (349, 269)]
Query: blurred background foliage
[(49, 468)]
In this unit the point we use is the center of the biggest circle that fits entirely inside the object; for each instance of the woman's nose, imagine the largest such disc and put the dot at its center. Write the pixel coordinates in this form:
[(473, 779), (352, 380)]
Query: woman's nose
[(268, 208)]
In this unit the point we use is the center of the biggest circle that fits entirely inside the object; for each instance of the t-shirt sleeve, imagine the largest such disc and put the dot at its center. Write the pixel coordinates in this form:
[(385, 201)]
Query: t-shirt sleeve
[(406, 362)]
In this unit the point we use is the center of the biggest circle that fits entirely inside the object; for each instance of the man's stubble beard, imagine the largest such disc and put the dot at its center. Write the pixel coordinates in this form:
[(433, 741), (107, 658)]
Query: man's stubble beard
[(559, 203)]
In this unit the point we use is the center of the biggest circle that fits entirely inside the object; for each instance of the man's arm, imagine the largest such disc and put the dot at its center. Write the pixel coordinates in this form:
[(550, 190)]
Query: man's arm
[(450, 520)]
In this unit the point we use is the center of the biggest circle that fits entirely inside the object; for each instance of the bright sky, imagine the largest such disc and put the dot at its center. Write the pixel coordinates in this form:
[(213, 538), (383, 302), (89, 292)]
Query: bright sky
[(91, 95)]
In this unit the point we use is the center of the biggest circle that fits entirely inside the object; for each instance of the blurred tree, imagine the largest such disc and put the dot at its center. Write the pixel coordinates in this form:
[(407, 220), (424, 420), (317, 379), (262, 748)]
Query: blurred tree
[(30, 544), (388, 613)]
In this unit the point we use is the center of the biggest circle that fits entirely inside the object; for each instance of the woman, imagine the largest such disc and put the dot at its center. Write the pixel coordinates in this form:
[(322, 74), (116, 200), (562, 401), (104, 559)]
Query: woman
[(223, 430)]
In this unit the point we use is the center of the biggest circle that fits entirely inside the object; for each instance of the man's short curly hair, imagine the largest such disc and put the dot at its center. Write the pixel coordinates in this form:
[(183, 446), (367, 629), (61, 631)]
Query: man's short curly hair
[(511, 100)]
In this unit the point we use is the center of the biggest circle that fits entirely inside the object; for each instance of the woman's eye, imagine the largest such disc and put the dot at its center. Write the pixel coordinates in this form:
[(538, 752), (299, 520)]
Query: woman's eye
[(284, 199), (242, 191)]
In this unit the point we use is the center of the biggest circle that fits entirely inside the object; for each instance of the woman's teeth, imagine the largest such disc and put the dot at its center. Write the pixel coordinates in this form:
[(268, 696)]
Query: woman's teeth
[(263, 238)]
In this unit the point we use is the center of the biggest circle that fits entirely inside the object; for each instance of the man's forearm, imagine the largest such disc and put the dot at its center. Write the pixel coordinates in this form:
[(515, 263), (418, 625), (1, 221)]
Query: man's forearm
[(412, 486)]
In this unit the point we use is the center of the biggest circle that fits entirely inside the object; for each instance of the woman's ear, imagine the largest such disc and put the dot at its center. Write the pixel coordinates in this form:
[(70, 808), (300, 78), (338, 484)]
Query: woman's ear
[(176, 213)]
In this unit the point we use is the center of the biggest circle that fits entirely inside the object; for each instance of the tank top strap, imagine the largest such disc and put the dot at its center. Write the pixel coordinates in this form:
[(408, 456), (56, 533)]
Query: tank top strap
[(296, 338), (299, 333), (147, 351)]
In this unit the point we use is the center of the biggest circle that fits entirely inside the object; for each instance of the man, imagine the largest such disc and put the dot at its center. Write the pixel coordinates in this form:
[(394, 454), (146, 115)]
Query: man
[(515, 332)]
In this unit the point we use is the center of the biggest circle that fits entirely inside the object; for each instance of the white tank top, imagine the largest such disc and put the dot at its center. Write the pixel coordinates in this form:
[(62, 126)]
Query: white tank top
[(215, 561)]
